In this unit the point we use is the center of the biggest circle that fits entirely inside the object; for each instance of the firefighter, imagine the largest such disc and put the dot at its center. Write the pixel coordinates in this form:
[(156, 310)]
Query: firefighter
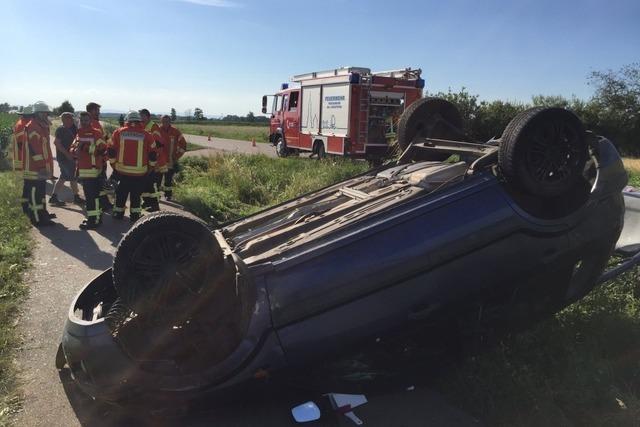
[(38, 164), (152, 193), (132, 156), (19, 138), (174, 146), (89, 148), (93, 109)]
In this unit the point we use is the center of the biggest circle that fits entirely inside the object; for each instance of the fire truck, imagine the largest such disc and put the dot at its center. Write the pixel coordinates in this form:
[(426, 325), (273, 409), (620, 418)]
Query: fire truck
[(348, 111)]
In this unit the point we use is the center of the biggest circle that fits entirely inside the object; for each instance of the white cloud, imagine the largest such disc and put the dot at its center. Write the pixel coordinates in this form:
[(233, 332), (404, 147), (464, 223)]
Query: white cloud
[(92, 8), (213, 3)]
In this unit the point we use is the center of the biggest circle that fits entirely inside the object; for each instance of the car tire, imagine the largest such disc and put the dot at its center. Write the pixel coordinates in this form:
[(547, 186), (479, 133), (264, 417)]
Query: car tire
[(164, 262), (543, 151), (281, 147), (429, 118)]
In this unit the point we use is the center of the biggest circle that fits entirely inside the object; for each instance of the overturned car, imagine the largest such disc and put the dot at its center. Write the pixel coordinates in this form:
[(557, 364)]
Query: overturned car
[(517, 227)]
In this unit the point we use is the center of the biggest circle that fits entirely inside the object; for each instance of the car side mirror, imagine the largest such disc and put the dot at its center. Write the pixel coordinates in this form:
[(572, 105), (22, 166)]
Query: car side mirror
[(264, 104), (306, 412)]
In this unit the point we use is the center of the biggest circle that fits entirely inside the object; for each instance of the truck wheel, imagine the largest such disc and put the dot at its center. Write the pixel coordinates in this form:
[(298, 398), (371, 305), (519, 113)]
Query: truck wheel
[(543, 151), (281, 147), (429, 118), (320, 151), (164, 262)]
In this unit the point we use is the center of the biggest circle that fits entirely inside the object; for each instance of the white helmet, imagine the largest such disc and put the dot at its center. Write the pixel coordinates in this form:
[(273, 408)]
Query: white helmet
[(132, 116), (41, 107)]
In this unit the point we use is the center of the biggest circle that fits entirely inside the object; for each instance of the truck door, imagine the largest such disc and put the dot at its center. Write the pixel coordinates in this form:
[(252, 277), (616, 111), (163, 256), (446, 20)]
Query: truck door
[(292, 118), (276, 123)]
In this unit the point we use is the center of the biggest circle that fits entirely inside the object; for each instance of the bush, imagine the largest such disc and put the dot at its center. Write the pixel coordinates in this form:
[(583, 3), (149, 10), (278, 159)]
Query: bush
[(226, 187), (6, 129)]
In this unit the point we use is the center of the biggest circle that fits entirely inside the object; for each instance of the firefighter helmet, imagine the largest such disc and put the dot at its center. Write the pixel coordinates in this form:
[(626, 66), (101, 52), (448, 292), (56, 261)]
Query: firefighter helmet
[(28, 110), (132, 116), (41, 107)]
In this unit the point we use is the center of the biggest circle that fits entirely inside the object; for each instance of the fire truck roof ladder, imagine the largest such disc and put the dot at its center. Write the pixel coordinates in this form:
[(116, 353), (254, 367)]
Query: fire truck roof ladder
[(365, 95), (404, 73), (337, 72)]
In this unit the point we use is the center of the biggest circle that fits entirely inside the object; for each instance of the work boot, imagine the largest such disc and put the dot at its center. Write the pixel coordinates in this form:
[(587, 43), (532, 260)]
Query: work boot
[(78, 200), (89, 225), (117, 215), (134, 217), (167, 197), (44, 222), (54, 201), (106, 204)]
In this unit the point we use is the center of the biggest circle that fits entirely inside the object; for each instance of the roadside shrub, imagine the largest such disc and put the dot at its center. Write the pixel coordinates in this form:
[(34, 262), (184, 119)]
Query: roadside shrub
[(6, 129), (225, 187)]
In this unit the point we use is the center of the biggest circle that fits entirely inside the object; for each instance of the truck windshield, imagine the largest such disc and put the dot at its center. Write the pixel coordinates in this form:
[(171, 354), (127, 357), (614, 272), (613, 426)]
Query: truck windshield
[(277, 103)]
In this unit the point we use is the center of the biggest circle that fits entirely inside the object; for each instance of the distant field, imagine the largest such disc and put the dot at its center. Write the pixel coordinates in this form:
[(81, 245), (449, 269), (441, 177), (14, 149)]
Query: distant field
[(631, 164), (241, 132), (244, 132)]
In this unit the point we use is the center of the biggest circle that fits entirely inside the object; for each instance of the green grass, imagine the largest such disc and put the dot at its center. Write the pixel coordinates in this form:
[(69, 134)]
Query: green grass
[(6, 129), (192, 147), (226, 187), (15, 246), (579, 368)]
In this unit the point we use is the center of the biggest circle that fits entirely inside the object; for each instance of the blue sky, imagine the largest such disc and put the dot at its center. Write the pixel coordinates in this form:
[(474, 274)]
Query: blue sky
[(222, 56)]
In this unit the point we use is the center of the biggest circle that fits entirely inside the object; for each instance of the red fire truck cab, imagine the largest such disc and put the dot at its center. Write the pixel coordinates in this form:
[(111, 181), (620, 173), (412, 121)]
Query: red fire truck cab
[(347, 111)]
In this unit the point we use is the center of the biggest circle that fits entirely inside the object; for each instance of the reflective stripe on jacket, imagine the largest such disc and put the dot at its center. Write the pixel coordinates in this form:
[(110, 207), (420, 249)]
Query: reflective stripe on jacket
[(130, 148), (174, 144), (89, 149), (36, 152), (17, 143)]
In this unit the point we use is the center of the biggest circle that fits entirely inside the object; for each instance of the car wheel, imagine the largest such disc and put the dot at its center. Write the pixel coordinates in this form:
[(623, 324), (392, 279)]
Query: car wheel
[(281, 147), (429, 118), (543, 151), (164, 262)]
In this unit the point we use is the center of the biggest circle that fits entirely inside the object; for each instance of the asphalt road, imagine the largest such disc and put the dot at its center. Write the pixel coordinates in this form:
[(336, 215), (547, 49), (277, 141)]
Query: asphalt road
[(217, 145), (66, 258)]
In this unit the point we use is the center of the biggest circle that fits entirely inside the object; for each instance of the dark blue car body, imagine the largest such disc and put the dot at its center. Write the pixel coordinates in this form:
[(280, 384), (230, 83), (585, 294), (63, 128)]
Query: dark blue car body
[(366, 258)]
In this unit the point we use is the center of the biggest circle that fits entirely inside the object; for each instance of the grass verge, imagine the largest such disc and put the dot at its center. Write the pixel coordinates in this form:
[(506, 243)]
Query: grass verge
[(15, 250), (580, 367), (225, 187), (192, 147)]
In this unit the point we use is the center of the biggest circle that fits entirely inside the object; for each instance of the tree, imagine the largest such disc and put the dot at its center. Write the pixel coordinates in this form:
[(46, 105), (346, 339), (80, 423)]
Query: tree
[(614, 110), (65, 107), (198, 114), (251, 117), (121, 120), (173, 114), (5, 107)]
